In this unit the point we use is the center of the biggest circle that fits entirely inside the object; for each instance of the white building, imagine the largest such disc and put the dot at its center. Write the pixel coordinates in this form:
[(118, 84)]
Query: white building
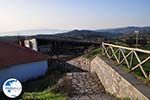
[(31, 43), (21, 63)]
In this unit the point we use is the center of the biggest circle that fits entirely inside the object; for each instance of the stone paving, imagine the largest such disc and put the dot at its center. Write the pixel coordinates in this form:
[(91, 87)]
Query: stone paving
[(83, 86)]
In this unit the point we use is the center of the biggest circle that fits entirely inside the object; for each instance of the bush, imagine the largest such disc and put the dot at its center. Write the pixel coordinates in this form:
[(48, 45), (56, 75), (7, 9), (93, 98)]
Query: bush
[(46, 95), (93, 53)]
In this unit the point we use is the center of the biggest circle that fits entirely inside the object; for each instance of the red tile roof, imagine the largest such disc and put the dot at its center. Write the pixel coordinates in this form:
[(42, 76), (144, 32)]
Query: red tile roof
[(13, 54)]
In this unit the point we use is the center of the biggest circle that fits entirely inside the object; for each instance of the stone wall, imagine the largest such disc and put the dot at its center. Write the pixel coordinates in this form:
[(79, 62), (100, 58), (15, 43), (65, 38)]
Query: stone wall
[(80, 62), (118, 82)]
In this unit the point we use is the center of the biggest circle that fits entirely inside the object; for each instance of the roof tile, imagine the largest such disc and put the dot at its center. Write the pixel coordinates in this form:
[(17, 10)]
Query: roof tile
[(13, 54)]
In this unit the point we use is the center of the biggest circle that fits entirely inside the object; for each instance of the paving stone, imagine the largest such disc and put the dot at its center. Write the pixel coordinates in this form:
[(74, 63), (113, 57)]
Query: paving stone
[(84, 98), (85, 86)]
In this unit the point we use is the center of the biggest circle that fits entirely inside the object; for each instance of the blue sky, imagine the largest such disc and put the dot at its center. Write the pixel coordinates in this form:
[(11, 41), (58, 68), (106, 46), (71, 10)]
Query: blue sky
[(72, 14)]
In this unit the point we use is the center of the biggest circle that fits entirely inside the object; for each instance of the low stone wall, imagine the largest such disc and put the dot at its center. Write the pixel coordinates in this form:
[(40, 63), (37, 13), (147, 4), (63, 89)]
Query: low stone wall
[(118, 82), (80, 62)]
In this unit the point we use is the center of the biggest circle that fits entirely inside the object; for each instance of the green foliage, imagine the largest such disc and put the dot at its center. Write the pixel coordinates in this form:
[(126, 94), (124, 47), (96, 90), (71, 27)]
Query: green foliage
[(45, 95), (93, 53), (126, 98), (117, 98), (132, 41), (43, 87)]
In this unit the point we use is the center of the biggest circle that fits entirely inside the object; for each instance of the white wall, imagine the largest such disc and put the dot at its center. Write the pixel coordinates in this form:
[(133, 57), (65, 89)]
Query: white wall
[(23, 72), (34, 44)]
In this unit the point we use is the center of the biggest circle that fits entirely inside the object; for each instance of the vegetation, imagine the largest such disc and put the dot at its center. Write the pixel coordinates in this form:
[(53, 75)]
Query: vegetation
[(126, 98), (45, 95), (137, 72), (129, 40), (42, 88), (132, 41), (93, 53)]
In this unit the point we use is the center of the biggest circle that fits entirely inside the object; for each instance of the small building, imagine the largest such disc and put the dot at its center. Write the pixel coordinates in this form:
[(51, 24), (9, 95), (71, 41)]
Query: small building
[(31, 43), (21, 63), (37, 45)]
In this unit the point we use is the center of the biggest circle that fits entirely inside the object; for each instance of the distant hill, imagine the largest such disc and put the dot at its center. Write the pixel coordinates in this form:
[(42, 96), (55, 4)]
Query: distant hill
[(86, 34), (126, 30), (78, 34)]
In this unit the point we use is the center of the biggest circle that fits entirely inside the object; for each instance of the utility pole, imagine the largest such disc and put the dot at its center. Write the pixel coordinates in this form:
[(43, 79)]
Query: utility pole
[(137, 37)]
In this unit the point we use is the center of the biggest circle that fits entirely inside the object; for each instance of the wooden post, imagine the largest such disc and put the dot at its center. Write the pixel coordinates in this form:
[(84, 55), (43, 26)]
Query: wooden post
[(137, 57), (131, 60), (106, 51), (119, 55), (125, 58), (142, 62), (102, 49), (114, 53)]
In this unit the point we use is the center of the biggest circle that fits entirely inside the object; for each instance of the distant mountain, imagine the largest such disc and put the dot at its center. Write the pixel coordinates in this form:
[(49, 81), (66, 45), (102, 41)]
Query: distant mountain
[(86, 34), (32, 32), (79, 33), (109, 33), (126, 30)]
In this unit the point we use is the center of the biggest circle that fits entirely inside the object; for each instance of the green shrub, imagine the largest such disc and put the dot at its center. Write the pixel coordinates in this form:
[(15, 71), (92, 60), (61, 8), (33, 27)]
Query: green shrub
[(93, 53), (45, 95)]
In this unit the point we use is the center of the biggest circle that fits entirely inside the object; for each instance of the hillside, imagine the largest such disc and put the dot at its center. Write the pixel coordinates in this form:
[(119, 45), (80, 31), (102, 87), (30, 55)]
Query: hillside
[(86, 34), (126, 30), (90, 35)]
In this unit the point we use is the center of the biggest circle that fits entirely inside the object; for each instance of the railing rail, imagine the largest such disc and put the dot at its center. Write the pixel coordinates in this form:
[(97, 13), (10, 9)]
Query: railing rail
[(120, 55)]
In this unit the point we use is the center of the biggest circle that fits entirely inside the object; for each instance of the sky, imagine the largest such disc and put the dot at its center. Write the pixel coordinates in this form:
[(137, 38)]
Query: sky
[(72, 14)]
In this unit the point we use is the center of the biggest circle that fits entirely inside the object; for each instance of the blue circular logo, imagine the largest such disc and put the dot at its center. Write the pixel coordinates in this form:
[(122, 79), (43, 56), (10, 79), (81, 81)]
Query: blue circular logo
[(12, 88)]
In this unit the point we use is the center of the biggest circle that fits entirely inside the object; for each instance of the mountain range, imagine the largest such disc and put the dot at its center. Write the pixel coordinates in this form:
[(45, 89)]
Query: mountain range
[(85, 34), (126, 30), (80, 33), (108, 33)]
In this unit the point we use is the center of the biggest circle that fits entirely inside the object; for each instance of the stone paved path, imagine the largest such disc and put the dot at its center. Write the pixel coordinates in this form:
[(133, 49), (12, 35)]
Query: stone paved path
[(84, 86)]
